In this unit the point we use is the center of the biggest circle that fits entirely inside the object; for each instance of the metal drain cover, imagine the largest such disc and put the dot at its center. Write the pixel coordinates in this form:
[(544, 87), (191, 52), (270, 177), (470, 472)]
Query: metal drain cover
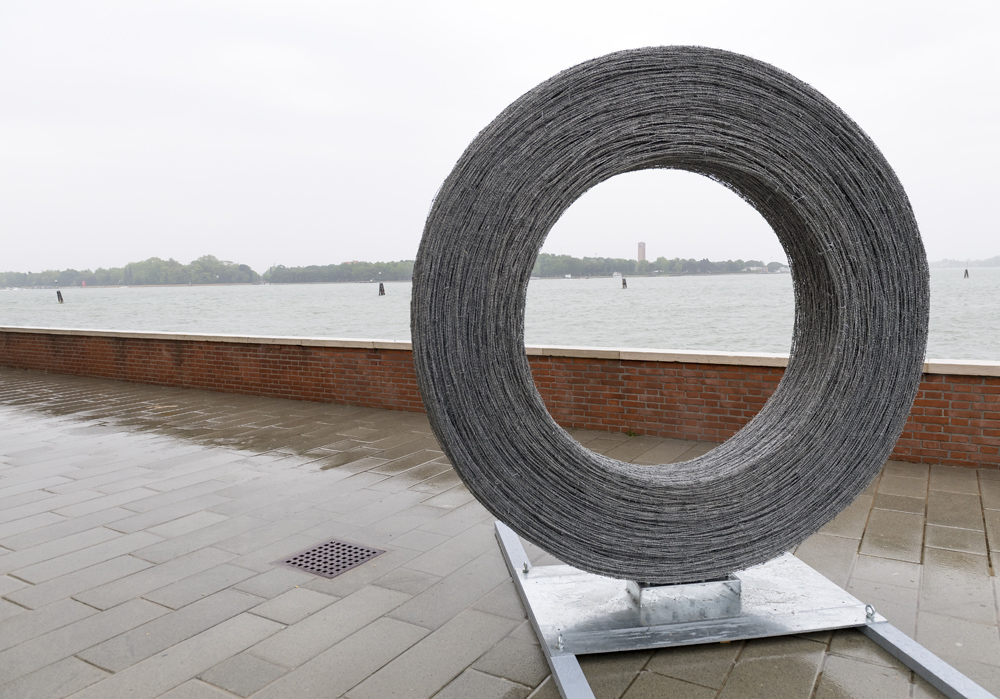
[(331, 558)]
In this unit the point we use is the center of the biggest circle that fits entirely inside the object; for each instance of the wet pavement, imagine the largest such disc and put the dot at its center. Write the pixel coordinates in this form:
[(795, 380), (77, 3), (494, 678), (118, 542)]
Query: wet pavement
[(140, 525)]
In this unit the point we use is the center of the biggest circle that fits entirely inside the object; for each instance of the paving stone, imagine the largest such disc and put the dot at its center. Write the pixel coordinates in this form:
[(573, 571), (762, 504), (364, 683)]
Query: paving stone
[(451, 499), (27, 524), (71, 639), (992, 519), (546, 690), (153, 578), (954, 539), (475, 684), (456, 551), (355, 493), (406, 463), (199, 585), (439, 483), (848, 677), (411, 582), (33, 484), (406, 522), (294, 605), (348, 662), (611, 674), (901, 485), (923, 690), (274, 582), (905, 468), (196, 689), (96, 480), (503, 601), (243, 674), (706, 665), (432, 662), (23, 627), (314, 634), (957, 585), (973, 649), (954, 510), (165, 631), (896, 535), (9, 584), (154, 676), (851, 643), (48, 504), (73, 583), (24, 499), (99, 502), (8, 609), (78, 560), (384, 506), (81, 540), (269, 533), (518, 661), (63, 528), (458, 520), (954, 479), (649, 685), (900, 503), (833, 556), (989, 490), (53, 681), (443, 600), (774, 669), (151, 518), (215, 468), (209, 536), (898, 573), (186, 525), (850, 523)]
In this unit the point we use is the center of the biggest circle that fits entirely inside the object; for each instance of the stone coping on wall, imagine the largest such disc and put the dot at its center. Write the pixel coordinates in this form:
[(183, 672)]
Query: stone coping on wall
[(960, 367)]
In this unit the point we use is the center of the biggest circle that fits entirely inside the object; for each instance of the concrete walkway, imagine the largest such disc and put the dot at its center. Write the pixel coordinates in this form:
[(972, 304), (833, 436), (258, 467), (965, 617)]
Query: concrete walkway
[(139, 529)]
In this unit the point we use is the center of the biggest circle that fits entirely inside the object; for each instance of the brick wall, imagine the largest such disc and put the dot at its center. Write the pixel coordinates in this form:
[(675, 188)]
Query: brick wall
[(366, 375), (955, 418)]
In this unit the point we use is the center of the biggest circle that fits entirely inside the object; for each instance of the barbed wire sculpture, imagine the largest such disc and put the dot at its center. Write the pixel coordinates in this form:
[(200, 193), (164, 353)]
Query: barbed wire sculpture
[(861, 310)]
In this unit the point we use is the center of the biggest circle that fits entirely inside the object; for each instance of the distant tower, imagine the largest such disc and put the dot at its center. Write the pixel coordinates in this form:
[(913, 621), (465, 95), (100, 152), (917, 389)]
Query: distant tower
[(642, 252)]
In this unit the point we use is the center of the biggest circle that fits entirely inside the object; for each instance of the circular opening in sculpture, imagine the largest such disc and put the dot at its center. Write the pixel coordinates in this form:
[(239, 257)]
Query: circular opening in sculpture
[(705, 284)]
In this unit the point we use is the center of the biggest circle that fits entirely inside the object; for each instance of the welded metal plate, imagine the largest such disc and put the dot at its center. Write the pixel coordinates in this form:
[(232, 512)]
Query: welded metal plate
[(580, 613), (331, 558)]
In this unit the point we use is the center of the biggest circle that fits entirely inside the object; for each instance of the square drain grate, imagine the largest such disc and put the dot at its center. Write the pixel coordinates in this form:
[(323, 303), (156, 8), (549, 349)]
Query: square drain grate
[(331, 558)]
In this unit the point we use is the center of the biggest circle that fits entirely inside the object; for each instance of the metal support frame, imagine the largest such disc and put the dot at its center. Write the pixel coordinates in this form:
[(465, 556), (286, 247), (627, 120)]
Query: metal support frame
[(576, 613)]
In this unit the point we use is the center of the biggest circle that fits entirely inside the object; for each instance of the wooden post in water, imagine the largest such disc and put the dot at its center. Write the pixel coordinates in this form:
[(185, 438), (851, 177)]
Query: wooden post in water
[(624, 283), (381, 289), (59, 296)]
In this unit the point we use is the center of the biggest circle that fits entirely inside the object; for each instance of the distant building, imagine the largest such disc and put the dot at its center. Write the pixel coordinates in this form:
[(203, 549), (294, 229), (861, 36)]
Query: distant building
[(642, 252)]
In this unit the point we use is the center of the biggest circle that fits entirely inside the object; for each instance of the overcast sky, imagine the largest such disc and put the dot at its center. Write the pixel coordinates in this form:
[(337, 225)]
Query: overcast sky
[(318, 132)]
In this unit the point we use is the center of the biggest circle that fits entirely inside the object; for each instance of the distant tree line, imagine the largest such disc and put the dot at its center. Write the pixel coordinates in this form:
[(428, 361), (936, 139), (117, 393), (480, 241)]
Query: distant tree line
[(204, 270), (560, 265), (211, 270), (344, 272)]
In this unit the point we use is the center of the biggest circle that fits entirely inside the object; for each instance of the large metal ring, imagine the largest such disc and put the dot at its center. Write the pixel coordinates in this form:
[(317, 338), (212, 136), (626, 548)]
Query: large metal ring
[(861, 308)]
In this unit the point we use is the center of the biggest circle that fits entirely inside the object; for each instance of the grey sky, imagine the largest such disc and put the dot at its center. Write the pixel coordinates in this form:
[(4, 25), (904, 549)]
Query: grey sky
[(317, 132)]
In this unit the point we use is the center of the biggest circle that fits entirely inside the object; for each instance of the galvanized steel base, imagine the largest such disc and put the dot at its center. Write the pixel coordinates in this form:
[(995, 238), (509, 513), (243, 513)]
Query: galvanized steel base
[(576, 613)]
